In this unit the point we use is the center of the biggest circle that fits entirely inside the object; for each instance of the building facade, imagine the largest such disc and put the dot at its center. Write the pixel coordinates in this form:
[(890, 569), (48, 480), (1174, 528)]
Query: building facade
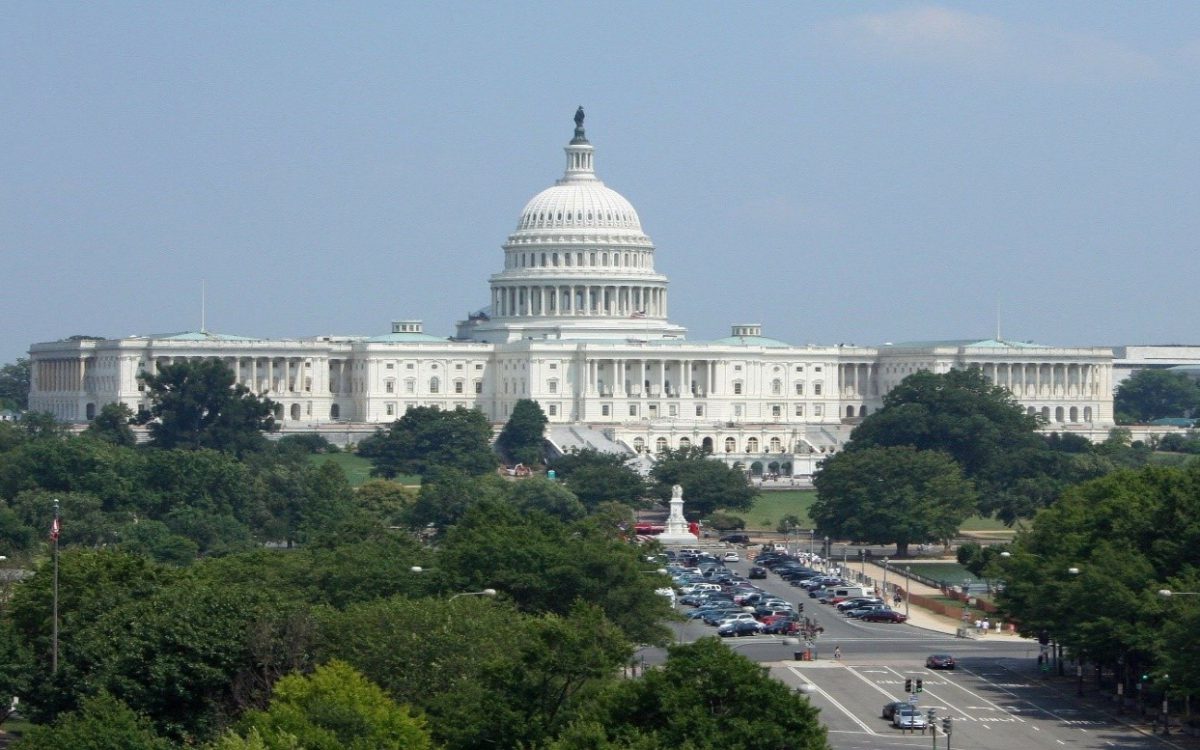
[(578, 321)]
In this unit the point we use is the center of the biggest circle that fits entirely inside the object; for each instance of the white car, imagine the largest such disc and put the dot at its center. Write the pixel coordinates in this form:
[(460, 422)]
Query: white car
[(731, 557), (909, 717), (741, 616)]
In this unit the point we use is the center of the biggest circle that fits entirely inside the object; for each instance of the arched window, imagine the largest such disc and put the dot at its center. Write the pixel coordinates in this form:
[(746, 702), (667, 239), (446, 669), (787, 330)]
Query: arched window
[(684, 443), (752, 445), (1087, 414), (435, 385), (776, 387), (800, 388), (639, 445), (660, 445), (776, 445), (335, 411), (1058, 414), (1046, 413), (90, 411), (730, 444), (849, 411), (737, 387), (1074, 414), (862, 411), (295, 411)]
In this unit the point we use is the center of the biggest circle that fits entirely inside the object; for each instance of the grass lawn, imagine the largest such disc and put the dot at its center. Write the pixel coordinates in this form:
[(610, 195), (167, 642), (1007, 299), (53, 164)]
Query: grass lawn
[(357, 468), (774, 505)]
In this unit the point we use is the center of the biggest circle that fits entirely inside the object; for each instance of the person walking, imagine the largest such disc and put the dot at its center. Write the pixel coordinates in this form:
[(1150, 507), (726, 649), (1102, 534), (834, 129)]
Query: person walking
[(837, 652)]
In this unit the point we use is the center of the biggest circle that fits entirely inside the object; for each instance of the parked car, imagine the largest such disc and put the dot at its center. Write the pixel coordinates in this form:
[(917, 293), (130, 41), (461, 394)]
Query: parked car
[(736, 538), (736, 629), (861, 601), (715, 617), (940, 661), (883, 615), (889, 709), (730, 557), (859, 612), (909, 717), (757, 572), (781, 625)]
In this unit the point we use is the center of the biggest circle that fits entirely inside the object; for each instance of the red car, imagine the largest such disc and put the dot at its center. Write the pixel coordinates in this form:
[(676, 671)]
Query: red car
[(883, 615)]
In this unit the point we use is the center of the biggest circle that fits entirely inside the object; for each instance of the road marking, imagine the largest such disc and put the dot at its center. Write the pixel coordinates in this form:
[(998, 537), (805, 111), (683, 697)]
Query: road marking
[(836, 704), (980, 698)]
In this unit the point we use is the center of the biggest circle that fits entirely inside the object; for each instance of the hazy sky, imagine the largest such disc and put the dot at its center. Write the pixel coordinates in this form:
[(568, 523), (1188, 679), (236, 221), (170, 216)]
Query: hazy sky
[(840, 172)]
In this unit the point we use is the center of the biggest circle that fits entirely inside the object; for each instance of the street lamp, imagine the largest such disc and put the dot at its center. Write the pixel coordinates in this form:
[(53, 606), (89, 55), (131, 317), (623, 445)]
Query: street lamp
[(812, 540), (907, 588), (1166, 706), (1164, 593), (1008, 555), (883, 591)]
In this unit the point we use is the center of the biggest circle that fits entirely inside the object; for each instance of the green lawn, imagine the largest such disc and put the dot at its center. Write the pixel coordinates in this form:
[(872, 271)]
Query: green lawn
[(357, 468), (772, 506)]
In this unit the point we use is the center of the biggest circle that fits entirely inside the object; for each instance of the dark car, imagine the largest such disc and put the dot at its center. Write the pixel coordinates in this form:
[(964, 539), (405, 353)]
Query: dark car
[(858, 601), (940, 661), (757, 572), (738, 629), (781, 625), (736, 538), (884, 615), (889, 709), (860, 612)]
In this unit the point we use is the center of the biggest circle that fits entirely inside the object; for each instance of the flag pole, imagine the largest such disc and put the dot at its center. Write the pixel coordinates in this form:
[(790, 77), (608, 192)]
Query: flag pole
[(54, 531)]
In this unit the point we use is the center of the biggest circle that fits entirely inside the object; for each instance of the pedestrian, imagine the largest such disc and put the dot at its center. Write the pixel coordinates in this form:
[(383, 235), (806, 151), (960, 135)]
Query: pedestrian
[(837, 652), (896, 598), (978, 625), (987, 625)]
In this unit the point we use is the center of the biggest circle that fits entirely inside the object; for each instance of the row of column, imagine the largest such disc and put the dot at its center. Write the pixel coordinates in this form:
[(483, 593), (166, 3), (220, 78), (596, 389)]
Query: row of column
[(859, 380), (1037, 378), (611, 377), (266, 374), (577, 299), (59, 374)]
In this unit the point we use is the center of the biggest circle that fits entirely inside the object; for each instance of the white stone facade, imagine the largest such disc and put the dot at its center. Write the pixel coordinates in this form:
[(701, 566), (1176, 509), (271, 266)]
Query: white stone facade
[(578, 322)]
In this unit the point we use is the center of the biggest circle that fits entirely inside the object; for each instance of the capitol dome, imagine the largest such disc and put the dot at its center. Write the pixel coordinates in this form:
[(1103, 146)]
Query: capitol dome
[(574, 204)]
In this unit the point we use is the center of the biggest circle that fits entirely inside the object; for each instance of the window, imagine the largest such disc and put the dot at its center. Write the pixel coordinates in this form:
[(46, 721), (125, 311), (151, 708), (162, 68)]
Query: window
[(479, 366), (737, 368), (816, 389), (605, 410), (458, 366), (699, 410), (817, 368), (479, 386), (730, 444), (458, 386), (552, 386), (410, 386), (737, 410), (639, 445), (818, 410), (799, 410), (660, 445), (673, 410), (391, 410), (799, 368), (776, 387), (737, 387), (390, 386), (408, 366), (553, 410), (776, 410), (435, 385), (391, 365), (776, 445), (752, 445), (800, 389), (633, 410), (553, 365)]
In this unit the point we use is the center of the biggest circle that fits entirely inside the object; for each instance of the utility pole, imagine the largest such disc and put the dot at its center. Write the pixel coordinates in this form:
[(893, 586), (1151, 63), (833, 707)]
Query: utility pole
[(55, 527)]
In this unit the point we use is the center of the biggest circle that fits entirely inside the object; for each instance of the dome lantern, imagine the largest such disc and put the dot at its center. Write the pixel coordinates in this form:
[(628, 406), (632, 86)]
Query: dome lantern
[(580, 154)]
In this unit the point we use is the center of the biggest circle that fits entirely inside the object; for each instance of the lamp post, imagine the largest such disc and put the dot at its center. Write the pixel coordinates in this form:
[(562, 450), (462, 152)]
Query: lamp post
[(907, 588), (883, 589), (1167, 594), (1055, 648), (812, 539), (862, 557)]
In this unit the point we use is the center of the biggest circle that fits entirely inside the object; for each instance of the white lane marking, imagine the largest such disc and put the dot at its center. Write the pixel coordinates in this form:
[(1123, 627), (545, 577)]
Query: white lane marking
[(873, 684), (818, 689), (981, 699), (1047, 711)]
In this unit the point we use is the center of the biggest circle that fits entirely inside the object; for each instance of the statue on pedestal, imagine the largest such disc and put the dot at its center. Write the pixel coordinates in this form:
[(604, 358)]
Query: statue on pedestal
[(677, 526)]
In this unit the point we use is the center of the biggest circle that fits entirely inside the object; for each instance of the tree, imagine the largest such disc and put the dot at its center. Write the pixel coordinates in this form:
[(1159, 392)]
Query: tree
[(707, 484), (14, 384), (199, 405), (537, 494), (891, 495), (112, 425), (597, 477), (447, 495), (427, 438), (1153, 394), (101, 723), (521, 438), (334, 708), (706, 697)]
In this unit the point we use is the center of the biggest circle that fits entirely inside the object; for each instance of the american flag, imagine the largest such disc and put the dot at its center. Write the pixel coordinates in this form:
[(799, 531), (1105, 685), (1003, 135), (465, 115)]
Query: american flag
[(55, 528)]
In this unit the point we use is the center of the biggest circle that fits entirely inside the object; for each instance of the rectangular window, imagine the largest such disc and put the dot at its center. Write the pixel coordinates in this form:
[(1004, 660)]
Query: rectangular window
[(553, 365), (799, 410), (816, 389), (799, 389), (737, 389), (776, 410), (737, 410), (817, 368), (673, 410), (409, 366), (479, 367), (458, 386), (410, 386), (391, 410), (391, 365), (817, 410), (479, 386), (390, 387), (553, 386), (699, 411), (553, 410), (604, 410), (633, 410)]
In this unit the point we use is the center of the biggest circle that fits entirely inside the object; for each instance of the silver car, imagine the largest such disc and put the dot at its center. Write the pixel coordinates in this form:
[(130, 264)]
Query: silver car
[(909, 717)]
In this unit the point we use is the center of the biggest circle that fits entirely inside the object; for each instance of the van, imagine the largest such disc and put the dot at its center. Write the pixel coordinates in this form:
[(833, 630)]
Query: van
[(842, 593)]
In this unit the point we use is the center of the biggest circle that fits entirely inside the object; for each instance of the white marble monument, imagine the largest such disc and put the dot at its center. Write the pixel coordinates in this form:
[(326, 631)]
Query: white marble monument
[(677, 526)]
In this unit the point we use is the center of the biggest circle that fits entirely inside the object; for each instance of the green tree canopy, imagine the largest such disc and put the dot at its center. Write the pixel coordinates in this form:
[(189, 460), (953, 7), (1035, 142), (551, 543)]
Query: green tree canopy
[(101, 723), (112, 425), (707, 484), (597, 477), (427, 438), (1153, 394), (14, 384), (334, 708), (894, 495), (200, 405), (706, 697), (522, 436)]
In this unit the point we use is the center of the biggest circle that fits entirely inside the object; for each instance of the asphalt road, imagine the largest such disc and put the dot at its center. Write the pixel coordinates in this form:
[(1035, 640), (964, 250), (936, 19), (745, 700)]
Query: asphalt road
[(995, 697)]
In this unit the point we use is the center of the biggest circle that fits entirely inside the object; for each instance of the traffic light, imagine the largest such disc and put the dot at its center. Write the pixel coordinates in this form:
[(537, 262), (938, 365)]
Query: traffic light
[(919, 688), (908, 685), (946, 725)]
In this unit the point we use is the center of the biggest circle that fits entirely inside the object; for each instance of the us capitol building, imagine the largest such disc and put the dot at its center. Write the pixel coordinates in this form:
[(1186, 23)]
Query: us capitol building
[(578, 321)]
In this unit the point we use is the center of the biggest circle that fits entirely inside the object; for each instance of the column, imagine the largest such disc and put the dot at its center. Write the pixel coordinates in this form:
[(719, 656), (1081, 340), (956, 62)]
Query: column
[(642, 382)]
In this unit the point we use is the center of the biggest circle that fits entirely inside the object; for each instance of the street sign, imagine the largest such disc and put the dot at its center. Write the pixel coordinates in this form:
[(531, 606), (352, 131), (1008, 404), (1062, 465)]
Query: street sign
[(912, 699)]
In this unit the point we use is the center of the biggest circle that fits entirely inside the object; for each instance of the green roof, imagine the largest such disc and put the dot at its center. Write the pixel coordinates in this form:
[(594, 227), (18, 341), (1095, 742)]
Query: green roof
[(198, 336), (752, 341), (406, 338)]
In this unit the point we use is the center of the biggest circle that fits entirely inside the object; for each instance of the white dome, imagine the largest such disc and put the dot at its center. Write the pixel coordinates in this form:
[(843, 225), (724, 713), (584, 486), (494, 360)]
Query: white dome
[(580, 205)]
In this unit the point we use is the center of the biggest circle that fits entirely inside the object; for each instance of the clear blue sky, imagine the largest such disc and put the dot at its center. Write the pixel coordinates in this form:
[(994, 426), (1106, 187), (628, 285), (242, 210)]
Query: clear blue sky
[(840, 172)]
